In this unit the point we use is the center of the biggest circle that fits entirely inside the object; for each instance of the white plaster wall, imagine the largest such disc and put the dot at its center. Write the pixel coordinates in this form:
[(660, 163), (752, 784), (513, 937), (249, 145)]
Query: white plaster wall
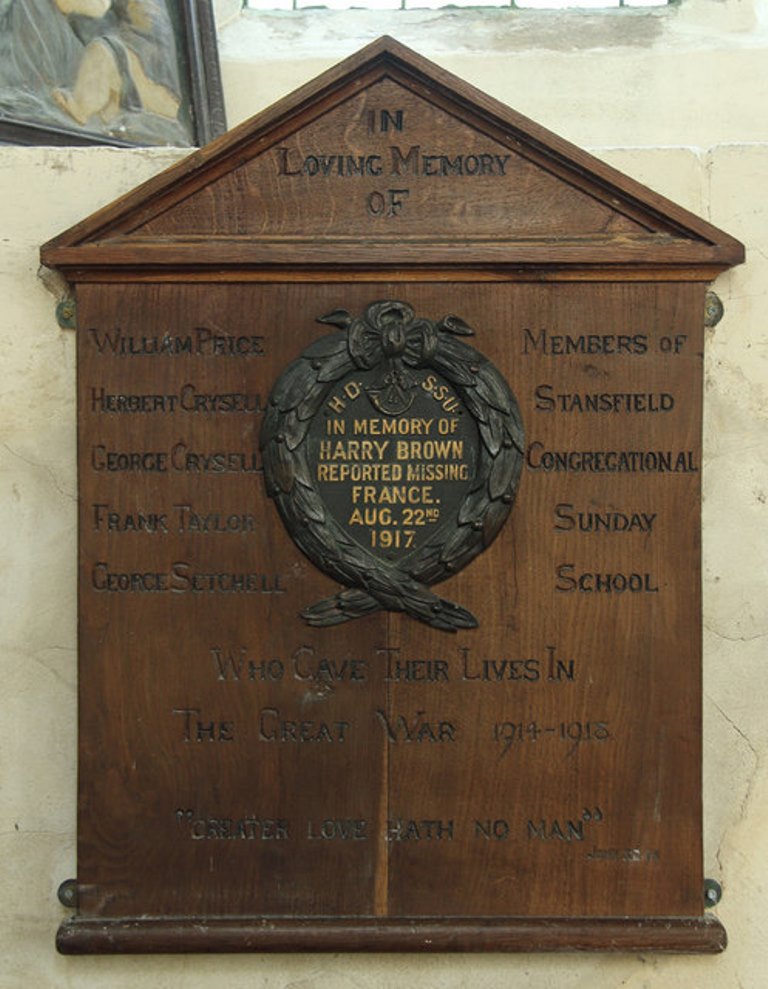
[(574, 89), (694, 73)]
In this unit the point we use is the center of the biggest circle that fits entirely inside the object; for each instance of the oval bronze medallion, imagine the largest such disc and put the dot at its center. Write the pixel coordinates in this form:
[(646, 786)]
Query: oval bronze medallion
[(393, 451)]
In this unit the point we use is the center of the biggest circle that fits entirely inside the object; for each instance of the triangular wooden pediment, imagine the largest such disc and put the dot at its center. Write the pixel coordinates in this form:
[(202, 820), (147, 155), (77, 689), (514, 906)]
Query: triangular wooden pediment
[(389, 160)]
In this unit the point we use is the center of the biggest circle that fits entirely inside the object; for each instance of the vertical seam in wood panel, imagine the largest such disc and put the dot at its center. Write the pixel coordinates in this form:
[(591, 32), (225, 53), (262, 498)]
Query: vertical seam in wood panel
[(381, 880)]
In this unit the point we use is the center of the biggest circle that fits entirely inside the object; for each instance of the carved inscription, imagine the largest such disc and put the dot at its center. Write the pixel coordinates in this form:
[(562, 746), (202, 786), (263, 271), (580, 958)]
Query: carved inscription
[(547, 343), (569, 579), (563, 829), (181, 458), (189, 398), (391, 481), (184, 458), (200, 342), (183, 578), (197, 728), (358, 647), (237, 664), (539, 458), (393, 459), (391, 163), (275, 726), (306, 664), (182, 518), (416, 728), (636, 856), (393, 453), (567, 829), (245, 827), (396, 161), (251, 827), (509, 733), (547, 400), (568, 518), (572, 577)]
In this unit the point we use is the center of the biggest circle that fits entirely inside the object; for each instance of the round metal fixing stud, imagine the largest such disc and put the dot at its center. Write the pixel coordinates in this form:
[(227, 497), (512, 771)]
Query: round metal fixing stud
[(713, 892), (713, 309), (66, 314), (67, 894)]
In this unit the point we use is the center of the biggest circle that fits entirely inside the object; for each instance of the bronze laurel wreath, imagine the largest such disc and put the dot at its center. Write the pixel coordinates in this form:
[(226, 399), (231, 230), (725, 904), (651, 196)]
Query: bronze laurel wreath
[(389, 335)]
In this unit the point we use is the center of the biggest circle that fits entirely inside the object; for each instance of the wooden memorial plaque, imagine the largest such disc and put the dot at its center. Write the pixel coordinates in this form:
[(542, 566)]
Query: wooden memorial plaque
[(390, 462)]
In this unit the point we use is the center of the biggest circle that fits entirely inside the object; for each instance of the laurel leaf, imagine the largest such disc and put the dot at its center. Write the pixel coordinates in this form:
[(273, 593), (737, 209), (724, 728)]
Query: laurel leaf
[(476, 405), (356, 602), (457, 372), (474, 505), (437, 621), (463, 546), (502, 473), (340, 608), (494, 520), (455, 324), (312, 401), (325, 614), (483, 469), (338, 317), (349, 574), (492, 388), (308, 504), (279, 468), (431, 572), (266, 459), (471, 550), (301, 468), (314, 540), (425, 555), (325, 346), (461, 352), (442, 614), (354, 555), (270, 426), (492, 432), (292, 385), (456, 617), (514, 430), (457, 361), (414, 594), (294, 430), (424, 606), (335, 366), (385, 593)]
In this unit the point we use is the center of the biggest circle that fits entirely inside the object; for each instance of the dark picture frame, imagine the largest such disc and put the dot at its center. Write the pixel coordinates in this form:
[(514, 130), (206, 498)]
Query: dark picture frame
[(29, 117)]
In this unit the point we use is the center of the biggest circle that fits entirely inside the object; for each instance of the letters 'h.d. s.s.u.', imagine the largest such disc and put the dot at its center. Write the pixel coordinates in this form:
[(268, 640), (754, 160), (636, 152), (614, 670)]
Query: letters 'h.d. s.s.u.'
[(368, 536), (281, 748)]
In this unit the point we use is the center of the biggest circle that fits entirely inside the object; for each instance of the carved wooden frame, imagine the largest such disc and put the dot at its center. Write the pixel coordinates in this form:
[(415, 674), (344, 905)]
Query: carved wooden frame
[(135, 247), (201, 78)]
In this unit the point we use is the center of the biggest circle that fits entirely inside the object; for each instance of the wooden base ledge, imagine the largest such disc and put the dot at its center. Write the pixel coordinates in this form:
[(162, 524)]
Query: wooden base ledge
[(679, 935)]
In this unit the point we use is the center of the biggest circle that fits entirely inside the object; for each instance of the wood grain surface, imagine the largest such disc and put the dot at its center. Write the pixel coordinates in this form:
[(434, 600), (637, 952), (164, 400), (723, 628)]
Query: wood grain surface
[(630, 659), (529, 784)]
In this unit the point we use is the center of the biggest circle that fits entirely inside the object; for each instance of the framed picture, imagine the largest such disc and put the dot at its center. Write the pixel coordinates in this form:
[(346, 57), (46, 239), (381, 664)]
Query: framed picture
[(117, 72)]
